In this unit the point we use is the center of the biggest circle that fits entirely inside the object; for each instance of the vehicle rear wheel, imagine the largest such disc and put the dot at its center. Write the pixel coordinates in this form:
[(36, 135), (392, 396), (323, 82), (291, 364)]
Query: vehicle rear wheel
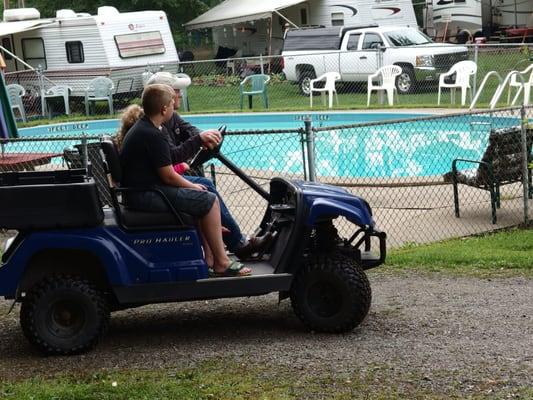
[(331, 293), (406, 82), (64, 315), (304, 82)]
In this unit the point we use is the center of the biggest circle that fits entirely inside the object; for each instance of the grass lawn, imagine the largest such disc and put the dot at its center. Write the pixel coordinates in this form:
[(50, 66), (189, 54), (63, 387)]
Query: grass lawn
[(490, 255), (502, 253), (285, 96), (226, 380)]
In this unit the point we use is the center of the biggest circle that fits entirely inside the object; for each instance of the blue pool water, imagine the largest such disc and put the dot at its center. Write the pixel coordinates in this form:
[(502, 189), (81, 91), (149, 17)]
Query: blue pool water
[(408, 149)]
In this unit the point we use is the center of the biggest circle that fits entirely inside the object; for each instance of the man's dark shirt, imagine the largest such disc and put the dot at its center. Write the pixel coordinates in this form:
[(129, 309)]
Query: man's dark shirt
[(184, 138), (144, 151)]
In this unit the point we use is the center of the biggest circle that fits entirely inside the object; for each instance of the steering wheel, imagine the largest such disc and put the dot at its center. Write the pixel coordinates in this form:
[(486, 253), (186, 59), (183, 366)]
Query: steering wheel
[(205, 154)]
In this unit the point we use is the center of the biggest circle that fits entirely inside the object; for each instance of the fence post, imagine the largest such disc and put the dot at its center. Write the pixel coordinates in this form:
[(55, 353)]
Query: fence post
[(310, 140), (85, 155), (476, 55), (525, 180)]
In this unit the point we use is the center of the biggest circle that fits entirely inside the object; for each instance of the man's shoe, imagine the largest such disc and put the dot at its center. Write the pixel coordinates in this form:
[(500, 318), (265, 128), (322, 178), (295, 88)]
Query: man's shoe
[(257, 244)]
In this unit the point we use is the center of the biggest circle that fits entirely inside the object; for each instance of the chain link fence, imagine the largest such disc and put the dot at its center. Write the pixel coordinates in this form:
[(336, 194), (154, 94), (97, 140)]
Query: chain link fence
[(216, 84), (405, 169)]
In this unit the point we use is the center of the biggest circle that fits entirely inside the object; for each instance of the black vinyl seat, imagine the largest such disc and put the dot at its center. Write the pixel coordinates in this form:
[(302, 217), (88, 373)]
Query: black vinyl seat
[(131, 219)]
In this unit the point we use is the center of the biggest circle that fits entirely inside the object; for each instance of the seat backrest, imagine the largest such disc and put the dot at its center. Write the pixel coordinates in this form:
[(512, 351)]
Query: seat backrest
[(389, 74), (58, 91), (100, 87), (15, 91), (330, 78), (463, 70), (528, 79), (112, 160), (504, 152), (259, 82)]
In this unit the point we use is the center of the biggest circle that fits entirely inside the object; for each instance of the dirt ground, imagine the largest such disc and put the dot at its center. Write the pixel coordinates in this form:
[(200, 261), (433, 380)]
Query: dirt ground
[(436, 331)]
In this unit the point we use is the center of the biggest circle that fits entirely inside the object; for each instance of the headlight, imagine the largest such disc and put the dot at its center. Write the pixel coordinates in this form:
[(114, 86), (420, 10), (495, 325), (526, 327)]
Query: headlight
[(424, 61), (7, 243)]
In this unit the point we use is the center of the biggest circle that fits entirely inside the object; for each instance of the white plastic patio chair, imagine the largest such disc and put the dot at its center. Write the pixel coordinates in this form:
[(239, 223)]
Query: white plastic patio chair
[(15, 93), (329, 87), (517, 84), (60, 91), (99, 89), (463, 70), (387, 75), (184, 96)]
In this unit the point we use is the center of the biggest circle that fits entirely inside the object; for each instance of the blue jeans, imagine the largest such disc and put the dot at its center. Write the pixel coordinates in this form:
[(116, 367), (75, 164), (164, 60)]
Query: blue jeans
[(234, 238)]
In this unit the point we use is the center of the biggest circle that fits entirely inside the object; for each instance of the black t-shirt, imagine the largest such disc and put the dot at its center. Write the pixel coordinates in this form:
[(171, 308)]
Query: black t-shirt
[(144, 151)]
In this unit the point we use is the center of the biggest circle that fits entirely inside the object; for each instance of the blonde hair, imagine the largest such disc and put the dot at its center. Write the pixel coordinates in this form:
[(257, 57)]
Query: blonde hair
[(130, 115), (155, 97)]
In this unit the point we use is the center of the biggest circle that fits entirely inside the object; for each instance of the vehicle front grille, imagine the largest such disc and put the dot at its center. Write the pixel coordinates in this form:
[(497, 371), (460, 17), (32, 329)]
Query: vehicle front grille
[(445, 61)]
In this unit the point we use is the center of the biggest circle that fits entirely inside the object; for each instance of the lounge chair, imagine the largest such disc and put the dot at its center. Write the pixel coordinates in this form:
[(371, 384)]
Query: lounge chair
[(501, 164)]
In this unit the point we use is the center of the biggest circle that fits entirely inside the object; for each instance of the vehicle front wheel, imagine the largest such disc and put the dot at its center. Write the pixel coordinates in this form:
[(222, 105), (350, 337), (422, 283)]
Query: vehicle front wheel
[(331, 293), (64, 315), (406, 81), (304, 82)]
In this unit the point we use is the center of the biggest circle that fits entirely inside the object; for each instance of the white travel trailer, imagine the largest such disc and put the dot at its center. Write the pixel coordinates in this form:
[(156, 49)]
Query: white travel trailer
[(257, 26), (74, 48), (474, 15)]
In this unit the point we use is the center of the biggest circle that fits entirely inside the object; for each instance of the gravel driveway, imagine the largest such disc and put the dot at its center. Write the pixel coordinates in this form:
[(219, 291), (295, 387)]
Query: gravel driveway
[(432, 330)]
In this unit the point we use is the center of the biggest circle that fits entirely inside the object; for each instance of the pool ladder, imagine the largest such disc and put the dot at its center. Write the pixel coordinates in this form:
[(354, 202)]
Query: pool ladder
[(503, 83)]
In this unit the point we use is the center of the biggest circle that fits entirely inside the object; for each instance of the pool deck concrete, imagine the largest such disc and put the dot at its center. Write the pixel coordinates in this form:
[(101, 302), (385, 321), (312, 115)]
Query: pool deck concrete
[(409, 214)]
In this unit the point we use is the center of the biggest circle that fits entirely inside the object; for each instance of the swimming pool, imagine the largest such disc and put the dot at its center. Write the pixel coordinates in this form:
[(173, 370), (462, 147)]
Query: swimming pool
[(420, 147), (234, 122)]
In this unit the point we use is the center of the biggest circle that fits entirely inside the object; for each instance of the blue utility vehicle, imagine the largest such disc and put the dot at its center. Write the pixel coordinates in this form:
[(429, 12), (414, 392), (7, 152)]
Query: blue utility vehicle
[(73, 262)]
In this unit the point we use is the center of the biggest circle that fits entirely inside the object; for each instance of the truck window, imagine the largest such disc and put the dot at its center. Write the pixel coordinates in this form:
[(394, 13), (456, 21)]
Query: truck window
[(33, 52), (353, 41), (139, 44), (75, 53), (372, 41), (407, 37)]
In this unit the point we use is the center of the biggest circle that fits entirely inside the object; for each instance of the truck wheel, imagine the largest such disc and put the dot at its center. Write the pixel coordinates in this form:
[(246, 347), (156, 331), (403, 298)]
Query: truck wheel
[(331, 293), (406, 82), (304, 82), (64, 315)]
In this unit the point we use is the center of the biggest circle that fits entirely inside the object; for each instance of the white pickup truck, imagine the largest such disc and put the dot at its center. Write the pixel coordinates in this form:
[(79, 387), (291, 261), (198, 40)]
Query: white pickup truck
[(357, 53)]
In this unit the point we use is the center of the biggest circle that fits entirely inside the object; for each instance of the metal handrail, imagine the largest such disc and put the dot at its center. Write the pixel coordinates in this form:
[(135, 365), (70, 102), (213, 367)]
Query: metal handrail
[(485, 79), (501, 88)]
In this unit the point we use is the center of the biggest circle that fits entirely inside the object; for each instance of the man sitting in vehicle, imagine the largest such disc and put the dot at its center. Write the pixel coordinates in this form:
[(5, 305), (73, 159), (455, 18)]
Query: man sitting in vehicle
[(146, 162), (182, 149)]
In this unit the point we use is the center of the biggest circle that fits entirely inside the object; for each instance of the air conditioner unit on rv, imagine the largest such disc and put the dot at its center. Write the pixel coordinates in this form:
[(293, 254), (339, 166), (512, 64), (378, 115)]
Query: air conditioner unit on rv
[(21, 14)]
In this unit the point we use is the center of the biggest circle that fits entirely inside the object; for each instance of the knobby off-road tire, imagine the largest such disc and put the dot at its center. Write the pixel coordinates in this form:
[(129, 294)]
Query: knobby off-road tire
[(331, 293), (64, 315)]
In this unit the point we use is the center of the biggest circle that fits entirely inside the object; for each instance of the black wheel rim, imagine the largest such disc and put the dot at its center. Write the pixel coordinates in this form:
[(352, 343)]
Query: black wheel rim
[(65, 319), (324, 299)]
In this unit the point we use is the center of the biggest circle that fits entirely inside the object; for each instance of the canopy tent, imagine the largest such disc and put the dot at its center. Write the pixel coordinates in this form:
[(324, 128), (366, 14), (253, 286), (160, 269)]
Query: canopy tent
[(8, 127), (9, 28), (237, 11)]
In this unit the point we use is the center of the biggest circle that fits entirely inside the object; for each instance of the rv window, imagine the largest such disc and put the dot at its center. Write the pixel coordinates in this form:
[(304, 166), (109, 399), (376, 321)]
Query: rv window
[(139, 44), (75, 52), (353, 41), (6, 44), (371, 41), (33, 52), (303, 16), (337, 19)]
